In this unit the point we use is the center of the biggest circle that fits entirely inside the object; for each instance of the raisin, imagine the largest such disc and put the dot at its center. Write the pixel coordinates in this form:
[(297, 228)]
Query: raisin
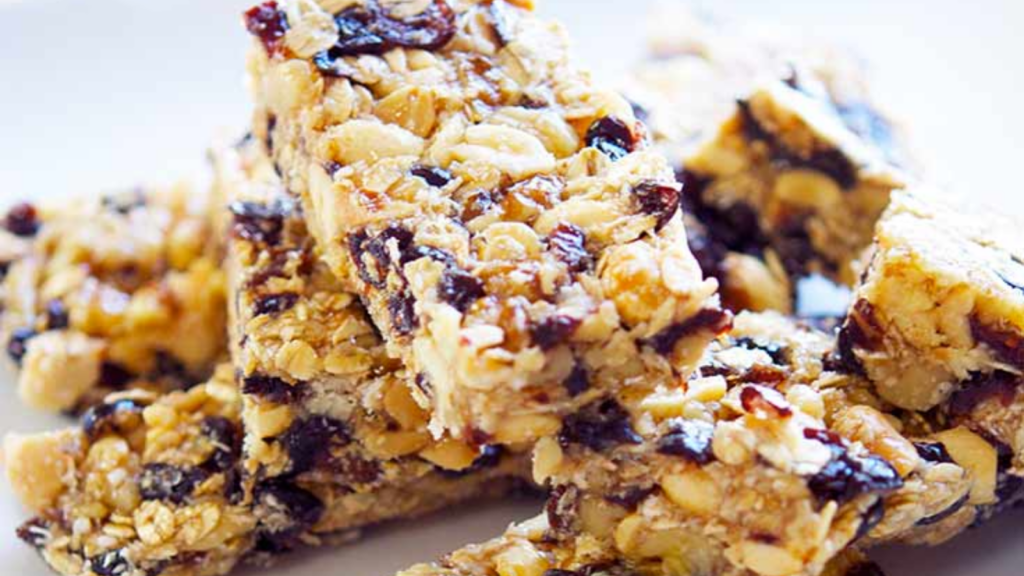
[(402, 308), (371, 29), (22, 220), (845, 477), (433, 175), (713, 319), (999, 385), (871, 518), (577, 382), (657, 199), (274, 389), (288, 512), (460, 289), (569, 244), (860, 330), (690, 439), (116, 417), (56, 315), (111, 563), (168, 482), (258, 223), (361, 245), (939, 517), (554, 331), (268, 23), (227, 442), (1007, 345), (275, 303), (562, 508), (629, 498), (612, 137), (830, 162), (17, 346), (114, 375), (170, 370), (309, 441), (934, 452), (600, 425), (35, 533)]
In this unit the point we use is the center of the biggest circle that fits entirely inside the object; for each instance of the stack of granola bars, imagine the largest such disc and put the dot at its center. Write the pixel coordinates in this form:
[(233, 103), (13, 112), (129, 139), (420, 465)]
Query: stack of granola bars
[(444, 265)]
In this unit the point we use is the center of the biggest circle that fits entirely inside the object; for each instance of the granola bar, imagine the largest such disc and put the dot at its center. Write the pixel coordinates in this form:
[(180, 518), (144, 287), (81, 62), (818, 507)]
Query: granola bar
[(764, 463), (507, 224), (146, 485), (936, 326), (100, 293), (786, 175), (326, 413)]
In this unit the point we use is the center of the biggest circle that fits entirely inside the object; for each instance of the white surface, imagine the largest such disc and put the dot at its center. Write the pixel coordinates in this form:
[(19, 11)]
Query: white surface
[(109, 93)]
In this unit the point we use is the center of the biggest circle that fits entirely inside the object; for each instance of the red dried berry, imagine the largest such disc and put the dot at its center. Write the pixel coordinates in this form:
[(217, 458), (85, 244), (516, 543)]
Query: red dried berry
[(22, 220), (268, 23), (658, 199)]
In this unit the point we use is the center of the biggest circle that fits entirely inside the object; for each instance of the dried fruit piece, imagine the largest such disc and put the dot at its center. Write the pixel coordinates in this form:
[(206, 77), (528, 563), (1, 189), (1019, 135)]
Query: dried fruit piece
[(268, 23), (612, 137)]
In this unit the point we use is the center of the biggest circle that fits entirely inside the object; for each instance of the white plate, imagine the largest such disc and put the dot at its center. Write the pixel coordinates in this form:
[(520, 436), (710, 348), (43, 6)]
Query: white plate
[(108, 93)]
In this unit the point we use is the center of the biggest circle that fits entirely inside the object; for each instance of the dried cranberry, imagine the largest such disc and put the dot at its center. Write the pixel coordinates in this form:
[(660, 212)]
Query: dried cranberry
[(274, 389), (1007, 345), (690, 439), (169, 483), (577, 382), (371, 29), (460, 289), (115, 417), (275, 303), (764, 402), (714, 320), (657, 199), (111, 563), (258, 223), (22, 220), (999, 385), (831, 162), (35, 532), (17, 346), (56, 315), (309, 441), (554, 330), (600, 425), (612, 137), (402, 308), (268, 23), (569, 244), (630, 497), (845, 476), (433, 175), (934, 452)]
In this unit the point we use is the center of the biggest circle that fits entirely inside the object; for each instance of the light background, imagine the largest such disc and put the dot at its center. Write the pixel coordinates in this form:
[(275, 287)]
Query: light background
[(104, 94)]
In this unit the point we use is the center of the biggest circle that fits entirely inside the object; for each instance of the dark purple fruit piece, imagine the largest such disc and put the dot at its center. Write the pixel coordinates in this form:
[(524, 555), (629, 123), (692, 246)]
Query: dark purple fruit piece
[(372, 29), (460, 289), (554, 331), (600, 425), (274, 389), (22, 220), (115, 417), (258, 223), (569, 244), (562, 509), (765, 403), (114, 375), (56, 315), (711, 319), (1000, 386), (612, 137), (268, 23), (578, 381), (847, 477), (309, 441), (657, 199), (17, 346), (934, 452), (227, 441), (871, 518), (402, 308), (629, 498), (689, 439), (1007, 345), (433, 175), (111, 563), (288, 512), (35, 533), (275, 303), (170, 483)]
